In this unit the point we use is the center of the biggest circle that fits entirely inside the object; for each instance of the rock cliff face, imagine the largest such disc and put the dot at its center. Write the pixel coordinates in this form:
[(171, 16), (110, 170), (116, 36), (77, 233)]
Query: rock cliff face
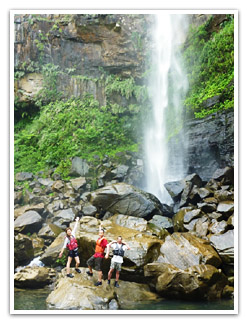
[(83, 46)]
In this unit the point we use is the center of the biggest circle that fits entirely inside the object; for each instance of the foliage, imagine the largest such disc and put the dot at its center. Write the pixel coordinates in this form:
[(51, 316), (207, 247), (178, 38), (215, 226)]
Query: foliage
[(209, 60), (65, 129)]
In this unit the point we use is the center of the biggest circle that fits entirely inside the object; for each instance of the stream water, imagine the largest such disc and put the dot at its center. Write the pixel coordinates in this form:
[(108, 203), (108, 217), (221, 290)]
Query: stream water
[(35, 299)]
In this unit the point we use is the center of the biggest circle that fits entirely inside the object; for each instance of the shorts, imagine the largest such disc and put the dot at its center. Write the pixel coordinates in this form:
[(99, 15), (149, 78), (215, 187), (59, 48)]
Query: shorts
[(95, 263), (73, 253), (115, 265)]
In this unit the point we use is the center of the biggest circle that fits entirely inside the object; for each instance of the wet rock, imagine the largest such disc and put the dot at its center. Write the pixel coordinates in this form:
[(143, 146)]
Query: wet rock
[(23, 250), (34, 277), (125, 199), (29, 222), (184, 250), (199, 282), (80, 293)]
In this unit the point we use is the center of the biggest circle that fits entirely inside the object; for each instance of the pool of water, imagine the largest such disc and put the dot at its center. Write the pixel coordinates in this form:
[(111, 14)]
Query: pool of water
[(35, 299)]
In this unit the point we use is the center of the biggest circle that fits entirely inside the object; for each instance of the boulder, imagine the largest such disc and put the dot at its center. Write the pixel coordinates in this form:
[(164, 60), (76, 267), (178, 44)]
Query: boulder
[(63, 218), (184, 250), (218, 227), (29, 222), (34, 277), (79, 167), (52, 252), (125, 199), (223, 195), (78, 183), (58, 186), (79, 293), (24, 176), (225, 175), (139, 224), (224, 245), (39, 208), (23, 250), (143, 247), (175, 188), (202, 227), (45, 181), (120, 172), (199, 282), (49, 231), (162, 222), (18, 197), (89, 210), (178, 219), (226, 207)]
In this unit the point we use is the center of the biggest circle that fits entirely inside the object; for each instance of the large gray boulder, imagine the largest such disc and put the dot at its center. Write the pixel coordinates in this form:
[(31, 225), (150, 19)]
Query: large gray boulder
[(184, 250), (34, 277), (121, 198), (201, 282), (79, 293), (29, 222), (24, 176), (79, 167), (23, 250)]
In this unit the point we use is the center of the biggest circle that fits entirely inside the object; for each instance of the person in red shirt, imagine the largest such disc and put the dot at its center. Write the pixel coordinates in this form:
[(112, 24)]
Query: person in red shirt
[(96, 260)]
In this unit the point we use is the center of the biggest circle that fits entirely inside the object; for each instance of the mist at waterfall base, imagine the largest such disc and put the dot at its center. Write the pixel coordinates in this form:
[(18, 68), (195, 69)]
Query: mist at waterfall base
[(165, 157)]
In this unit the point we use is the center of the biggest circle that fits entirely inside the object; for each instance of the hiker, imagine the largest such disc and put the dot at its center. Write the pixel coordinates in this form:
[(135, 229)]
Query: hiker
[(96, 260), (119, 247), (72, 246)]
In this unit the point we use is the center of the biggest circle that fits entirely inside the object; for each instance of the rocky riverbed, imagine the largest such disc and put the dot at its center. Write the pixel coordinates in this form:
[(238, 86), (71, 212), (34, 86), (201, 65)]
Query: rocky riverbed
[(184, 251)]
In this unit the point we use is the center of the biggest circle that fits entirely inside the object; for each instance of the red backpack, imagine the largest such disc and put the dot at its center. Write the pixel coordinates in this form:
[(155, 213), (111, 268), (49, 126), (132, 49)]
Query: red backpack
[(72, 245)]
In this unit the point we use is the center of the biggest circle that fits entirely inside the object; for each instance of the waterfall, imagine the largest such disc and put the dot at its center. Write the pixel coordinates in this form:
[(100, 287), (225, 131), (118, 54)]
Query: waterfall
[(34, 263), (164, 143)]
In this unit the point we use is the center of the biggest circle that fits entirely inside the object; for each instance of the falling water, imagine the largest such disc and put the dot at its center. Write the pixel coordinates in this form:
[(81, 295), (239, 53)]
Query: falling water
[(168, 86)]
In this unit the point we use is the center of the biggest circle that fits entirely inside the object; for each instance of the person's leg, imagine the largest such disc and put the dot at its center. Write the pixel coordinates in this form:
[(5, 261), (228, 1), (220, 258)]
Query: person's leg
[(100, 276), (110, 273), (68, 265), (90, 262), (77, 261), (77, 264), (117, 275)]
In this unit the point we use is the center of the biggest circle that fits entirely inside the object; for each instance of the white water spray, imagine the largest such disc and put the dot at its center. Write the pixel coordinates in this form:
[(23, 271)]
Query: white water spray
[(168, 86)]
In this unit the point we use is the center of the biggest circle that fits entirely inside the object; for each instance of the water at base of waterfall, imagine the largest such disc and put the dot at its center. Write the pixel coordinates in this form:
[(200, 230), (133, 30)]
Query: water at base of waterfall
[(35, 299)]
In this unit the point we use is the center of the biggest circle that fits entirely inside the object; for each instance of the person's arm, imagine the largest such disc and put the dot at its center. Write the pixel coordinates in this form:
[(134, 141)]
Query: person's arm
[(64, 246), (75, 227), (128, 247), (108, 248)]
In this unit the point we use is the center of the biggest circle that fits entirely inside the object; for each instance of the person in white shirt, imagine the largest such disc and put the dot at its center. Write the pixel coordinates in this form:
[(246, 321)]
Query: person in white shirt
[(72, 246), (119, 247)]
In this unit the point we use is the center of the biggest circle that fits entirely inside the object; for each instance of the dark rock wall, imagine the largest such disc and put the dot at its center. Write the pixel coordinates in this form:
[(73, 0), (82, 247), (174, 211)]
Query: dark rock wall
[(210, 143)]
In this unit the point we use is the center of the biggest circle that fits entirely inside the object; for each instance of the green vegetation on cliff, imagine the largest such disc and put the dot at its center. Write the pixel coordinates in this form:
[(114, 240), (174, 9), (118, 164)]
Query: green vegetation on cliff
[(70, 128), (209, 60)]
